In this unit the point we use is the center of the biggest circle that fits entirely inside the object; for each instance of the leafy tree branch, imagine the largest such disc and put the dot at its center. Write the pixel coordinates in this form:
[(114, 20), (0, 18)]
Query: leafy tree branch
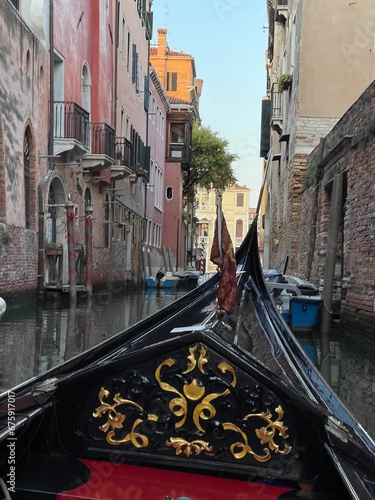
[(211, 163)]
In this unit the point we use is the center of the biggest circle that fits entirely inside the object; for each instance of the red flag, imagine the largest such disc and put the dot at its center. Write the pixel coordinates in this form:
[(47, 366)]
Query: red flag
[(226, 261)]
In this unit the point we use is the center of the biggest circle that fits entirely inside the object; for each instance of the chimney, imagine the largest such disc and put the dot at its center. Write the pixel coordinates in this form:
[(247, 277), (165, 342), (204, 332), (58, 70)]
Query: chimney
[(162, 41)]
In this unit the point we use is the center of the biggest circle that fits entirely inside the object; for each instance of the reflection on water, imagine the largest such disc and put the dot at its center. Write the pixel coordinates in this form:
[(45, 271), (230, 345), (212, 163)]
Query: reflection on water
[(37, 337), (349, 367), (308, 345)]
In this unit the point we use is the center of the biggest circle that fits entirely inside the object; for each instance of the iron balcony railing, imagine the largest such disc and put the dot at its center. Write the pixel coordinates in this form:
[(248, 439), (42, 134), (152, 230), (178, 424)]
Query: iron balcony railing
[(276, 99), (71, 122), (102, 139), (124, 152)]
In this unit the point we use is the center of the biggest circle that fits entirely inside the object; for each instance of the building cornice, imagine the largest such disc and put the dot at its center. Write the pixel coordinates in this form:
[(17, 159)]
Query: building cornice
[(159, 88)]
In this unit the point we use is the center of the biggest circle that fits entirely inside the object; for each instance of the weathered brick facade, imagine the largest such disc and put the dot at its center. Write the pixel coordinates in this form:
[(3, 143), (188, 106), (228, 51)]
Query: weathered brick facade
[(348, 151), (18, 263)]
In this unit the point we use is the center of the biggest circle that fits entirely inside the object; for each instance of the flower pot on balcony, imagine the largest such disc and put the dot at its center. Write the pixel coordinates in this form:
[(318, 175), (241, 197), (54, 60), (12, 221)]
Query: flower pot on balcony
[(54, 251), (284, 82)]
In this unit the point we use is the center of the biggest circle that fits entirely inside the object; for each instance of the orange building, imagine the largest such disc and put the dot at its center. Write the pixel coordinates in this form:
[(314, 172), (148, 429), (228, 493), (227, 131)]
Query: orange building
[(176, 71)]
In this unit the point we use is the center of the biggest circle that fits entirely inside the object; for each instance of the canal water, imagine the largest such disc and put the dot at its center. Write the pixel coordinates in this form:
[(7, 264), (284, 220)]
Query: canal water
[(35, 337)]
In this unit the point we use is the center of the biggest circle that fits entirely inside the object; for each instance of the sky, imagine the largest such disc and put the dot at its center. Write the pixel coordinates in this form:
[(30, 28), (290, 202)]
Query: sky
[(228, 40)]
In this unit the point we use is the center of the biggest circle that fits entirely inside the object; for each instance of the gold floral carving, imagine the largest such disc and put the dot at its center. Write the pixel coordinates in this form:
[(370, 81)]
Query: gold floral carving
[(188, 448), (195, 402)]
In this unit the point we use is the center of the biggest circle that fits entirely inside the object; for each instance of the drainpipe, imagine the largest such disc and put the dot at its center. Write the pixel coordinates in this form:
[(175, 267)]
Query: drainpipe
[(116, 64), (88, 222), (47, 178), (71, 253)]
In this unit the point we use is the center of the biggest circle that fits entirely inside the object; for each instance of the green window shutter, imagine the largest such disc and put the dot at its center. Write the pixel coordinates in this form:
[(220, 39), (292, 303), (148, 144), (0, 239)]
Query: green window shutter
[(146, 93), (265, 128)]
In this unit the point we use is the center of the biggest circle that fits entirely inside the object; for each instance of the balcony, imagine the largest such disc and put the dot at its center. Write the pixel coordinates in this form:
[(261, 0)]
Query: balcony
[(277, 109), (102, 147), (203, 240), (124, 165), (70, 131), (179, 130)]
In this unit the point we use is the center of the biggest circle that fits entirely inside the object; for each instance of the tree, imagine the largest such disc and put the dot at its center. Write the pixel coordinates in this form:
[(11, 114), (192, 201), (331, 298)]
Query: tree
[(211, 163)]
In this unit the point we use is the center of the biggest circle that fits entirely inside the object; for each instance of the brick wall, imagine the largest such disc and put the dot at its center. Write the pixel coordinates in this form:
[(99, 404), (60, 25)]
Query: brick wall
[(18, 260), (348, 150)]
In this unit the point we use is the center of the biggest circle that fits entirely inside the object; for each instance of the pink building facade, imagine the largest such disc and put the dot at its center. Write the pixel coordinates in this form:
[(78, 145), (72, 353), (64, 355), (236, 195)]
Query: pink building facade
[(74, 157), (153, 251)]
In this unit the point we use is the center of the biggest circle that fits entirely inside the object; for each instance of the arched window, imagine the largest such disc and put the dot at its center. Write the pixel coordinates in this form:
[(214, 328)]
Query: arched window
[(239, 228), (86, 88), (26, 177), (169, 193), (87, 198)]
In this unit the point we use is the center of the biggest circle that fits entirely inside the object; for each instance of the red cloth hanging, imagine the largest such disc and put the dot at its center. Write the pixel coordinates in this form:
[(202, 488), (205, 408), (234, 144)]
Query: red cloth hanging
[(226, 261)]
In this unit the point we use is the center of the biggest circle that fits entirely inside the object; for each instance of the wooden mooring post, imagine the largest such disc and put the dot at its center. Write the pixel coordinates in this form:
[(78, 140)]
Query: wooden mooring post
[(329, 272)]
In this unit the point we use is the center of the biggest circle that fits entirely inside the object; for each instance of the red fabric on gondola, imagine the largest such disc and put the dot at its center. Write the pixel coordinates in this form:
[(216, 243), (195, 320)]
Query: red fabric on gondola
[(226, 261), (112, 481)]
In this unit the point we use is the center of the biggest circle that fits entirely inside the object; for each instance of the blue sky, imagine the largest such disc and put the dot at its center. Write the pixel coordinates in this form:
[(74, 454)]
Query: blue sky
[(228, 40)]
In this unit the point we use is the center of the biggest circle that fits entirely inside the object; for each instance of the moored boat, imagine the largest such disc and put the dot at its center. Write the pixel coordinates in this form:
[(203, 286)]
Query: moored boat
[(298, 300), (201, 400), (161, 280), (188, 279)]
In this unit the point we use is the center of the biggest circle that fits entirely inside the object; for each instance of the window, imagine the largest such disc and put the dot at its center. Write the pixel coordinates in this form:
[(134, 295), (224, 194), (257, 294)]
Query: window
[(177, 133), (123, 36), (122, 122), (239, 228), (169, 193), (135, 65), (171, 82), (158, 188), (240, 199), (128, 53), (202, 229), (162, 127)]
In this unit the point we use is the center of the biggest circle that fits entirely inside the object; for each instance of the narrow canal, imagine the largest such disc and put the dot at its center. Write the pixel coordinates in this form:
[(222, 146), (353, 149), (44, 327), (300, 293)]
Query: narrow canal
[(35, 337)]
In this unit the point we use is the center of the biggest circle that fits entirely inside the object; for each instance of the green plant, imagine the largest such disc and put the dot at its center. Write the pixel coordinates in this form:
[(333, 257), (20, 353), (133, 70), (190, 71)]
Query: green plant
[(51, 244), (6, 238), (129, 224), (284, 82)]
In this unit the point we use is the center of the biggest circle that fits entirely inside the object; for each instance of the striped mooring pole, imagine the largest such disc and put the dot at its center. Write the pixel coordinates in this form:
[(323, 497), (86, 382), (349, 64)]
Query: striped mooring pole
[(71, 252)]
